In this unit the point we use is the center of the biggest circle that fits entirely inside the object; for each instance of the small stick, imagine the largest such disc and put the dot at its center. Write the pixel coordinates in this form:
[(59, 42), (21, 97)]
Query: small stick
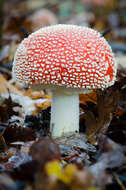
[(106, 31), (119, 182)]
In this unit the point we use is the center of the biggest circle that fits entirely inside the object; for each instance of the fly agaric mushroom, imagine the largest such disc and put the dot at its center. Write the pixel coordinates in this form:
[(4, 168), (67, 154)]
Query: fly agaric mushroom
[(68, 60)]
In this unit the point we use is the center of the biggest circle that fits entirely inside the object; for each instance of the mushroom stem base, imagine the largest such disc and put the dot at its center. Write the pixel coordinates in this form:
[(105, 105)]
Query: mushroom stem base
[(64, 113)]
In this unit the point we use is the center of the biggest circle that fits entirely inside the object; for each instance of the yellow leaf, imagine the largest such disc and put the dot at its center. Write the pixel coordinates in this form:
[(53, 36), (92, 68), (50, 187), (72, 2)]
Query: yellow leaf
[(68, 173), (64, 174), (93, 188), (91, 97), (54, 168)]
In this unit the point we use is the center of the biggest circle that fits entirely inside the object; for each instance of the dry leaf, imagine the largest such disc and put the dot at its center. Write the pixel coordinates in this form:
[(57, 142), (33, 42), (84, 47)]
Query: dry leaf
[(13, 47), (5, 181), (91, 126), (44, 150), (91, 97), (4, 86), (106, 105), (18, 133), (26, 146), (7, 109), (82, 180), (110, 157), (34, 94), (43, 105), (66, 174)]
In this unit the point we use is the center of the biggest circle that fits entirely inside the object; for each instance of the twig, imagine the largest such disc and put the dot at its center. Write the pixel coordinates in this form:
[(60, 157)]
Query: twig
[(106, 31), (119, 181)]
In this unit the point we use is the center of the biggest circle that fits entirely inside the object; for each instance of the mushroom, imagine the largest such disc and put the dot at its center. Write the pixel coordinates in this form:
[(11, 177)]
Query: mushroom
[(68, 60)]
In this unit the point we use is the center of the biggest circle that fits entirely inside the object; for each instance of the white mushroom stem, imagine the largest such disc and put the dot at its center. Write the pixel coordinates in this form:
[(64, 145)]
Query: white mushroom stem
[(64, 113)]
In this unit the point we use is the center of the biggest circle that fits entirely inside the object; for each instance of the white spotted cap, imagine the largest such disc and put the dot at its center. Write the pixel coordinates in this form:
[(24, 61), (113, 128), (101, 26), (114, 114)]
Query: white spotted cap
[(67, 56)]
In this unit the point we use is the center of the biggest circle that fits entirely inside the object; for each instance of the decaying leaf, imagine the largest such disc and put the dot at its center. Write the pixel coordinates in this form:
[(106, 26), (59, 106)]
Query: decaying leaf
[(34, 94), (5, 181), (49, 183), (16, 132), (44, 150), (25, 171), (106, 105), (110, 156), (16, 160), (42, 105), (4, 86), (76, 140), (82, 180), (68, 177), (7, 108), (66, 174), (91, 97), (26, 146)]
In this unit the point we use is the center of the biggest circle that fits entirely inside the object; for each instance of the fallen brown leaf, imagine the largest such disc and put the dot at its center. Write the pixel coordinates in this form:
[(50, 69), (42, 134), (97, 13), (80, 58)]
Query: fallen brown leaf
[(18, 133), (34, 94), (4, 86), (7, 109), (91, 97), (106, 105), (44, 150), (82, 180), (110, 156), (5, 181), (43, 105)]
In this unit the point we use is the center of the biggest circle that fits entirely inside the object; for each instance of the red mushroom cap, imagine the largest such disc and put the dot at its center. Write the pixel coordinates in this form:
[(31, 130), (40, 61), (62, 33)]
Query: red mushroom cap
[(67, 56)]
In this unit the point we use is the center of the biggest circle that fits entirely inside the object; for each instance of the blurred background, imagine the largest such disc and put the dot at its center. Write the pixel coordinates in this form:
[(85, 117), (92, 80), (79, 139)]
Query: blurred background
[(18, 18)]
